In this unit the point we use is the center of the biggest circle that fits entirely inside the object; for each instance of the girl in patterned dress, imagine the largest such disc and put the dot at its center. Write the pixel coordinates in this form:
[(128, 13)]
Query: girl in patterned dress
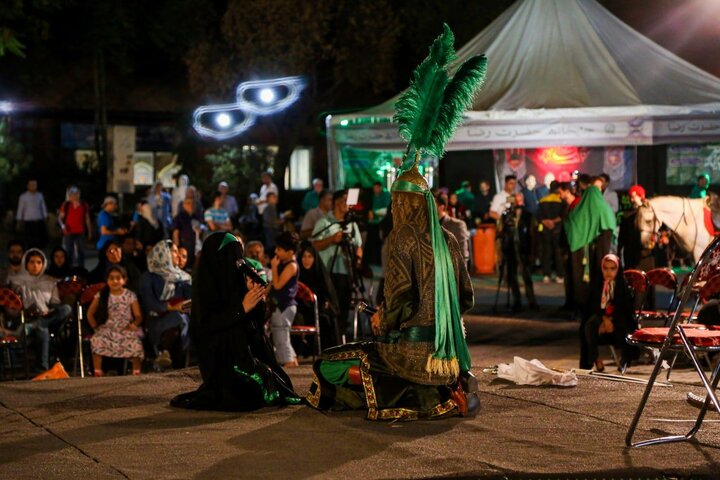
[(115, 316)]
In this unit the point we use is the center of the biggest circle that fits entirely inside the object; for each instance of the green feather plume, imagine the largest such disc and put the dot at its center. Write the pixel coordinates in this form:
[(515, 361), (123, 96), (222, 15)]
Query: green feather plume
[(430, 109)]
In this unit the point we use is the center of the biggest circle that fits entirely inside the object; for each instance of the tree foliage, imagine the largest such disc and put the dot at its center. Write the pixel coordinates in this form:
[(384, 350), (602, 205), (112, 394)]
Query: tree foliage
[(13, 157)]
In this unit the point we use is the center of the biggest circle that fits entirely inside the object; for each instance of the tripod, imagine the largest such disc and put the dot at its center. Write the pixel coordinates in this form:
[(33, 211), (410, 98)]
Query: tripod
[(346, 252)]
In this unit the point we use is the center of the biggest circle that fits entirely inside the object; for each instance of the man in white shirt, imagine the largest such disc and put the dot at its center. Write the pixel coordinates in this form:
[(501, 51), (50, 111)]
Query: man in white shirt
[(500, 201), (32, 215), (267, 187)]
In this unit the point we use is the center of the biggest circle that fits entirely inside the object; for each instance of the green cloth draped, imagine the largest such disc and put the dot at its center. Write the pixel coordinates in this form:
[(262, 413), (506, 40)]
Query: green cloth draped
[(450, 342), (591, 217)]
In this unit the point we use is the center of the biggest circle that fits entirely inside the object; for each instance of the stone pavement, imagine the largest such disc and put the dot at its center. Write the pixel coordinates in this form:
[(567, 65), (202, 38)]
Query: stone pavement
[(122, 427)]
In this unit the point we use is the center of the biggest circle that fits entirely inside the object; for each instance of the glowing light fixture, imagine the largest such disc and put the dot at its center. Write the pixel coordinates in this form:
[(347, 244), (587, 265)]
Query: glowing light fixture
[(344, 123), (252, 99), (267, 95), (6, 107), (223, 120)]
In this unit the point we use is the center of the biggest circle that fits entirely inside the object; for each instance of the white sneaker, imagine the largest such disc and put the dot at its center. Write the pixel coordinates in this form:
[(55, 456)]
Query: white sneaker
[(546, 279), (559, 280), (163, 360)]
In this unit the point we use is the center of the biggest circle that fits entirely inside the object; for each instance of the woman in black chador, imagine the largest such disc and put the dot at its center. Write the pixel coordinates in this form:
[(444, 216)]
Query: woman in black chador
[(237, 364)]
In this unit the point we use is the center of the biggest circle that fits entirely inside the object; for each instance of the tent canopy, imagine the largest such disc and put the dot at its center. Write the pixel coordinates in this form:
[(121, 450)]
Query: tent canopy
[(562, 72)]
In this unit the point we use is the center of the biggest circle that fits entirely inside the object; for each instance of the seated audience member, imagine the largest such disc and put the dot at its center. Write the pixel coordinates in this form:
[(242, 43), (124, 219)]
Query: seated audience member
[(315, 276), (112, 254), (41, 301), (216, 217), (315, 214), (284, 288), (255, 250), (15, 252), (134, 251), (115, 316), (183, 260), (59, 267), (162, 291), (610, 315)]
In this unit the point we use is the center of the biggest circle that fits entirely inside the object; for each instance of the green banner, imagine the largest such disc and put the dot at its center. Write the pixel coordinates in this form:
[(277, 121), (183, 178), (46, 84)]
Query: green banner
[(364, 167), (687, 162)]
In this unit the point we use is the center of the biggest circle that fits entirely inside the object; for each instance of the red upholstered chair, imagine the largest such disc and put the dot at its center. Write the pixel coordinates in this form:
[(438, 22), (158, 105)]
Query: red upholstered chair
[(84, 301), (692, 340), (11, 301), (665, 278), (638, 283), (308, 299)]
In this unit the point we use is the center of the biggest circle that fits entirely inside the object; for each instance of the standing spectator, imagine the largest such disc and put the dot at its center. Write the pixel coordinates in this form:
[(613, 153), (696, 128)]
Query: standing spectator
[(106, 224), (610, 195), (328, 236), (267, 187), (41, 300), (160, 202), (312, 198), (148, 231), (249, 221), (530, 194), (500, 202), (271, 221), (178, 194), (74, 218), (465, 195), (187, 228), (284, 288), (549, 215), (481, 205), (457, 227), (216, 217), (15, 252), (229, 204), (312, 216), (700, 190), (193, 194), (380, 202), (32, 215), (635, 251)]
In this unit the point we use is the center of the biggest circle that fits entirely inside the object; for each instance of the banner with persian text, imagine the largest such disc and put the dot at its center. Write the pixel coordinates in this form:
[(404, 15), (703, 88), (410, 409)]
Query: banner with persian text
[(686, 162)]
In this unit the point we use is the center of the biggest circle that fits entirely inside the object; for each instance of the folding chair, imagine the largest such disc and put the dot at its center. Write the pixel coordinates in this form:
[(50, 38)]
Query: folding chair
[(305, 295), (682, 338), (638, 282), (12, 301), (84, 301), (665, 278)]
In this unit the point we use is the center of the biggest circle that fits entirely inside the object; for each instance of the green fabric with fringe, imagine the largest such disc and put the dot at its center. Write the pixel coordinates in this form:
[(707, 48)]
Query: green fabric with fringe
[(451, 354)]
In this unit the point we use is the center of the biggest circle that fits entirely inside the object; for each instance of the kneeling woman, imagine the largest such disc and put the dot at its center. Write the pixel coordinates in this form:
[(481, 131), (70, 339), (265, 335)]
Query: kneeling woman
[(237, 364)]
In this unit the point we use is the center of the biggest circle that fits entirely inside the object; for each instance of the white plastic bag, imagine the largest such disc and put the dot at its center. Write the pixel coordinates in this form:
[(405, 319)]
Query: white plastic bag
[(533, 372)]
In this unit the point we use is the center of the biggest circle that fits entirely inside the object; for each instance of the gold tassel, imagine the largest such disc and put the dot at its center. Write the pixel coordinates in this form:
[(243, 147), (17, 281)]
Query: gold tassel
[(442, 367)]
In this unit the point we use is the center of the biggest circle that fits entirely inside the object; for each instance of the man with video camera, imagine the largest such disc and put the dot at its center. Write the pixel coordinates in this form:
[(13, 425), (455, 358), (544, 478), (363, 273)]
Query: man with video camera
[(339, 244)]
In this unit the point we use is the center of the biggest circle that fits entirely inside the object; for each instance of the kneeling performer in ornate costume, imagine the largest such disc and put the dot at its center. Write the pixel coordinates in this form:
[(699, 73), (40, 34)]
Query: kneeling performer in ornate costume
[(419, 365)]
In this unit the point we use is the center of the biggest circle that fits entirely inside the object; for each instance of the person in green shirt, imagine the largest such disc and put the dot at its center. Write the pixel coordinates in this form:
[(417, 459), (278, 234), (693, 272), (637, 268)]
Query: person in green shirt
[(700, 190), (380, 203), (312, 198), (465, 195)]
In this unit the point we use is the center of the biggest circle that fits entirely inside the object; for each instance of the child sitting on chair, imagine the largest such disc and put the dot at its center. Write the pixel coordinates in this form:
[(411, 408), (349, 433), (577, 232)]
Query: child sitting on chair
[(611, 314), (115, 316)]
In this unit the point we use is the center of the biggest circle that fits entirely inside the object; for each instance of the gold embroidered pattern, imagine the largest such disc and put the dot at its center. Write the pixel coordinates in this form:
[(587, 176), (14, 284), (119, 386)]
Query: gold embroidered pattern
[(314, 399)]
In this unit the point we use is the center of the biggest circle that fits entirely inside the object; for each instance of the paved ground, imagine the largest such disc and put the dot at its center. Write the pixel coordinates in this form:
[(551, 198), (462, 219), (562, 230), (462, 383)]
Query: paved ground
[(122, 427)]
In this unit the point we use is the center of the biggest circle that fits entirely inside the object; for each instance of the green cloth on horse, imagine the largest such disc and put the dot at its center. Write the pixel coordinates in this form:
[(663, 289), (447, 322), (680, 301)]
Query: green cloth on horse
[(586, 221)]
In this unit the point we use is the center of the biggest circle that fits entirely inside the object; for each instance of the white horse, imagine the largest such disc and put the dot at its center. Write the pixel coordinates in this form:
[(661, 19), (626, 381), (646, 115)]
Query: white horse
[(689, 219)]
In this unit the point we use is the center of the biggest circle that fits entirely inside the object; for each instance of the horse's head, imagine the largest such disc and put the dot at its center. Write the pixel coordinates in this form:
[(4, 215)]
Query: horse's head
[(647, 224)]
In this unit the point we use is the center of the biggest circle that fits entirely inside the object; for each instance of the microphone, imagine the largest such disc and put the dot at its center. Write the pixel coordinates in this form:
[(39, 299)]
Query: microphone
[(249, 271)]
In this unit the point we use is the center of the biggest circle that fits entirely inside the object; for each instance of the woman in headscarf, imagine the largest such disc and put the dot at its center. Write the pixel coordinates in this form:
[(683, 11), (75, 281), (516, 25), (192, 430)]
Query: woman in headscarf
[(610, 316), (315, 276), (237, 364), (59, 266), (111, 254), (163, 290)]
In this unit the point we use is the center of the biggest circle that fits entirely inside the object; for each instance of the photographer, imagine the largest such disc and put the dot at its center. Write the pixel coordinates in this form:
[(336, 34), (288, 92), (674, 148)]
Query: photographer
[(515, 227), (336, 241)]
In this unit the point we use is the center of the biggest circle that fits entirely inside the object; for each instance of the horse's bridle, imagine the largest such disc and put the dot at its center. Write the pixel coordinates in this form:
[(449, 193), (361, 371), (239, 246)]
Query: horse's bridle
[(683, 218)]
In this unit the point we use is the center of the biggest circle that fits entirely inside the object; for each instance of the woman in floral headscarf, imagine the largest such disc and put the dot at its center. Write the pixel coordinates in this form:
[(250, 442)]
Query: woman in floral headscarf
[(610, 316), (163, 290)]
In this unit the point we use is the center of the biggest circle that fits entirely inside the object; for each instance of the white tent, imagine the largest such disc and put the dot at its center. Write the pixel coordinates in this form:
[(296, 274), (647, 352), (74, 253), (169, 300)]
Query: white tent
[(561, 72)]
